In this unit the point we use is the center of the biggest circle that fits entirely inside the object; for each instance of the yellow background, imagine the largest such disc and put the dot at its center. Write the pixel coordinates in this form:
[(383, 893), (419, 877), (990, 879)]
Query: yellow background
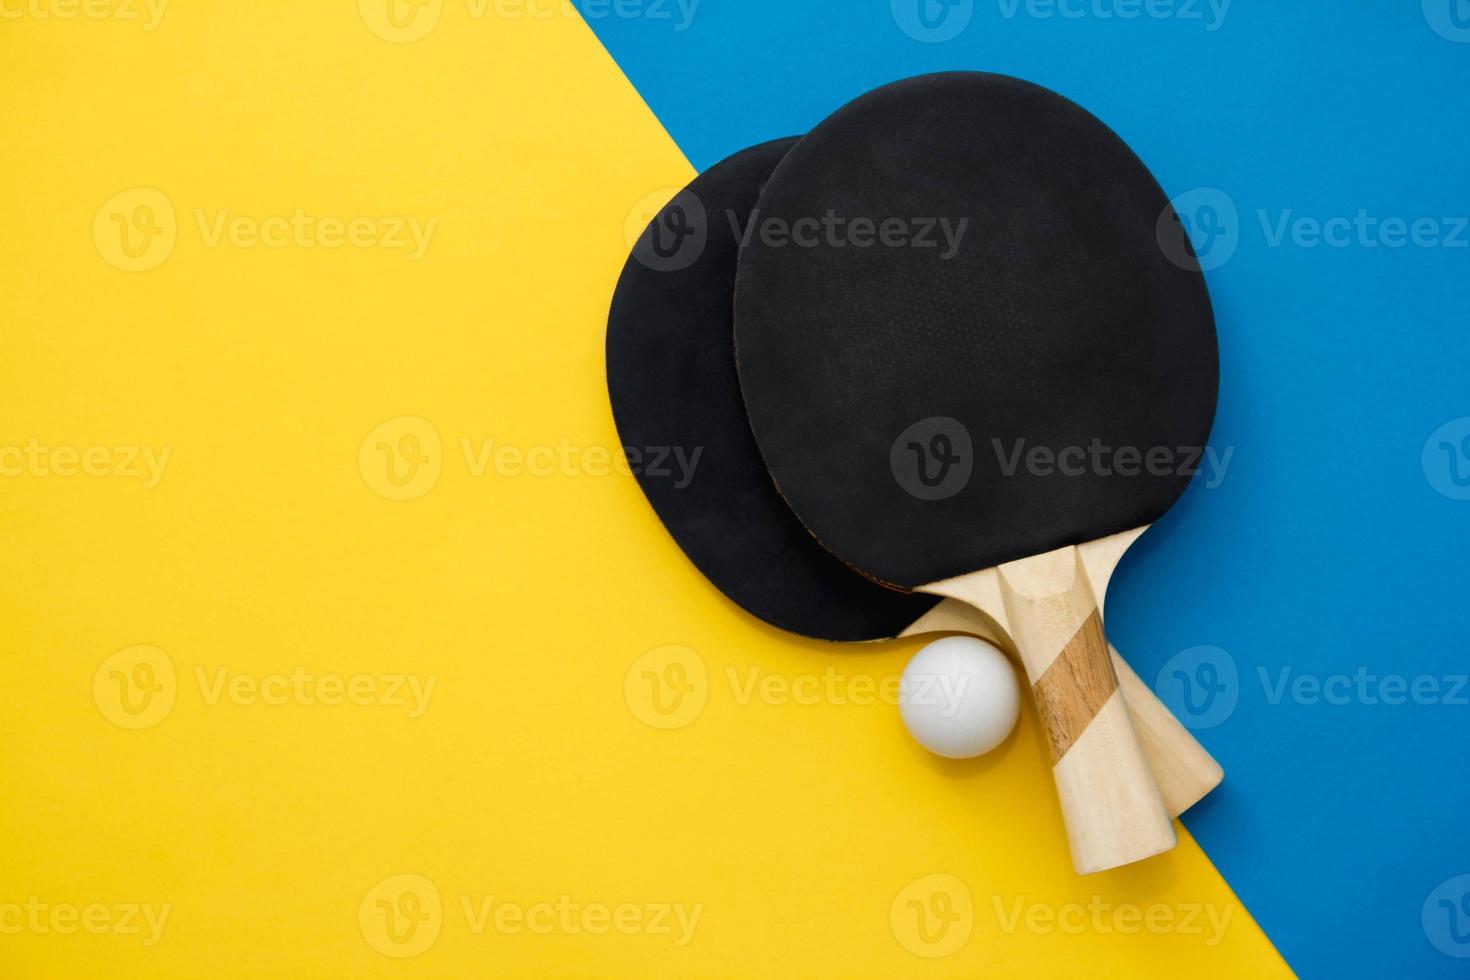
[(537, 602)]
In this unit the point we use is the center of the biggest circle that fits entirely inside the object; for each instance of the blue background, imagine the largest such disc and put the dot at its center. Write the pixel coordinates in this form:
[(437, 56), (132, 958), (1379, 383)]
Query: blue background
[(1327, 549)]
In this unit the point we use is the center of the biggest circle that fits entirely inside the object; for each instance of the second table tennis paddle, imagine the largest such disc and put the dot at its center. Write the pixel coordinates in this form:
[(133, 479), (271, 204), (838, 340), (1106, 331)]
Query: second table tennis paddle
[(897, 395)]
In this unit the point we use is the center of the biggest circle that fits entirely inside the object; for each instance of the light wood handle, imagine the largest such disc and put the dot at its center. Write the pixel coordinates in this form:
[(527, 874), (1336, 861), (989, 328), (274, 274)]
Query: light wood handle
[(1183, 769), (1112, 809)]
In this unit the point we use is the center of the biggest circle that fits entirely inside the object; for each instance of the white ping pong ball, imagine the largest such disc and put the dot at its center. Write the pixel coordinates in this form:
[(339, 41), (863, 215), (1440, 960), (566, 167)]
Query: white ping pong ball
[(959, 697)]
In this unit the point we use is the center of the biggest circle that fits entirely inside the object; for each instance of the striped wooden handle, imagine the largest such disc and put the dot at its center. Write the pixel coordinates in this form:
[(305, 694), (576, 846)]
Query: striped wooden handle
[(1183, 769), (1112, 808)]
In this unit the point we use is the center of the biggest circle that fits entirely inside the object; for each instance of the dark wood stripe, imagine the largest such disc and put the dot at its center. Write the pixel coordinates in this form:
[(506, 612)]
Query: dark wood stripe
[(1075, 687)]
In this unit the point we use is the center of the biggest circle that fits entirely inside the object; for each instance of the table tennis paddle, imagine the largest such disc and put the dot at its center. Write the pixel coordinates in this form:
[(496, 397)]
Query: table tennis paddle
[(672, 383), (898, 394)]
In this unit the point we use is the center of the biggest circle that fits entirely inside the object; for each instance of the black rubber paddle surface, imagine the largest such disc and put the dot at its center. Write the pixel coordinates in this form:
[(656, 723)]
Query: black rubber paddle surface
[(671, 378), (932, 405)]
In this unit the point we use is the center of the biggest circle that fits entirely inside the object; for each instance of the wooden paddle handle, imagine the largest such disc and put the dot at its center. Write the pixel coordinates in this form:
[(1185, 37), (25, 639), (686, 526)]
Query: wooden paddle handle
[(1110, 803), (1183, 769)]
